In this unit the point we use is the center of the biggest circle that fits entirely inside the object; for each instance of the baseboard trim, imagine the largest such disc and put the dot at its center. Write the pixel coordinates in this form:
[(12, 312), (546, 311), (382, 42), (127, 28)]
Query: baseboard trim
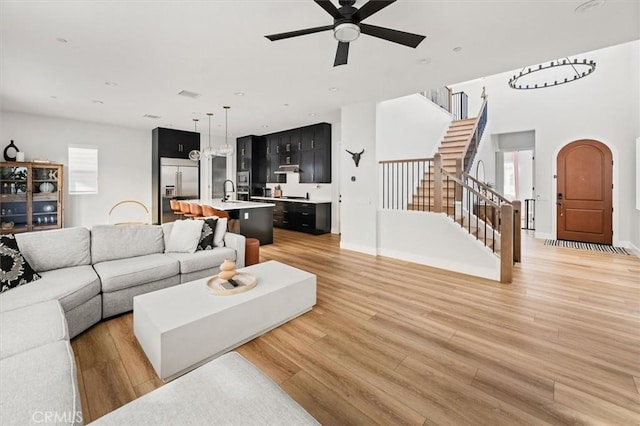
[(463, 268), (359, 248)]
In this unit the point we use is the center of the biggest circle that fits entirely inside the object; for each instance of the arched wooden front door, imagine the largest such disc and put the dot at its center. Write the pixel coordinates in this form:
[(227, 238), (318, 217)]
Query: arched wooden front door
[(584, 195)]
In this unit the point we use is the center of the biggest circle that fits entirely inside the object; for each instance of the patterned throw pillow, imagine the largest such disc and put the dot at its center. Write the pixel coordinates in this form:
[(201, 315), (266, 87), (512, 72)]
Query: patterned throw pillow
[(14, 269), (206, 238)]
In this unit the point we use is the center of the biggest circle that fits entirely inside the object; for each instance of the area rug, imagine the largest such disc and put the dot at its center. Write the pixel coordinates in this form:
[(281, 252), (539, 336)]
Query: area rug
[(588, 246)]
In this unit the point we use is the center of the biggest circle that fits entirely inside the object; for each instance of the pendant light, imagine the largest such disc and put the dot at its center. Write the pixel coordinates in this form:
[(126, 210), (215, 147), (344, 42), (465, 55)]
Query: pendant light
[(194, 154), (226, 150), (209, 152)]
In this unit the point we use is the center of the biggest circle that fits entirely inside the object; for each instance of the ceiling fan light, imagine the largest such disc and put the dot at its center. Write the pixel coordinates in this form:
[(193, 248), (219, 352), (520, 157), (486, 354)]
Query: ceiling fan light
[(346, 32)]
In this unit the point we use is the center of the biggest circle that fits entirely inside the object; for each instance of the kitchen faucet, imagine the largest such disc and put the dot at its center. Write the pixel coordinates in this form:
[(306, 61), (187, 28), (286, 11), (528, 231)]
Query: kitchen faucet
[(224, 189)]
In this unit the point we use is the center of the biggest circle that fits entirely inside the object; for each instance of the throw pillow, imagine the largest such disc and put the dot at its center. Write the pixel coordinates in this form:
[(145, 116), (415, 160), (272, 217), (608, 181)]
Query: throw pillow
[(185, 236), (206, 238), (14, 268), (218, 235)]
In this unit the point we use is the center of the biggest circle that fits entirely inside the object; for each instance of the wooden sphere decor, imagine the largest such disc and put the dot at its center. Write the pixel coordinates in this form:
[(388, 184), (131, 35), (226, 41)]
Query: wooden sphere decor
[(227, 269)]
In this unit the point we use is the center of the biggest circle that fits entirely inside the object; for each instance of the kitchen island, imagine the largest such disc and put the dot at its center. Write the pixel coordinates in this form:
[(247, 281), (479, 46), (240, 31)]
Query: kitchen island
[(254, 220)]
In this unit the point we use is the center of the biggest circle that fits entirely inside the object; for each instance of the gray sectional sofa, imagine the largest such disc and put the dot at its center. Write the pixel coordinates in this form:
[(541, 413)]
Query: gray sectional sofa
[(95, 274)]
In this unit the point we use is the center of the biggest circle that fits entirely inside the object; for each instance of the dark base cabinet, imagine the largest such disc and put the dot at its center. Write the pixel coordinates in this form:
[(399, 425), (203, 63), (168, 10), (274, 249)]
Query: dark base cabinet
[(304, 217)]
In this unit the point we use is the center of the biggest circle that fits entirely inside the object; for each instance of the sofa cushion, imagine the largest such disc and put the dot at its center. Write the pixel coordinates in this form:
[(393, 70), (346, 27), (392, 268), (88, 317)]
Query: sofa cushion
[(203, 259), (226, 391), (56, 249), (40, 382), (14, 268), (113, 242), (32, 326), (184, 237), (71, 286), (206, 236), (124, 273)]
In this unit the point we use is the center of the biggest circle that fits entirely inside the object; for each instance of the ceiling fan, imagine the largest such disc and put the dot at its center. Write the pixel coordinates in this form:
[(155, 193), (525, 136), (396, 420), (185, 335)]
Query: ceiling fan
[(347, 27)]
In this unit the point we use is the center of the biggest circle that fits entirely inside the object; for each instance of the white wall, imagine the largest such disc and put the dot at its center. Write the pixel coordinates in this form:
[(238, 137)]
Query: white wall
[(409, 127), (124, 160), (434, 239), (358, 214), (603, 106)]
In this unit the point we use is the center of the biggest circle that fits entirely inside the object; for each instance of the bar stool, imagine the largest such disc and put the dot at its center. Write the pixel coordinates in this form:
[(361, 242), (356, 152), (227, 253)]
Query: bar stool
[(196, 210), (208, 211), (175, 208), (251, 251), (185, 209)]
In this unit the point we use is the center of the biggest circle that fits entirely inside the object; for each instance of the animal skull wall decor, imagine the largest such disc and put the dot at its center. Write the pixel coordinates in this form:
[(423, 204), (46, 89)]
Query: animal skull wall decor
[(355, 156)]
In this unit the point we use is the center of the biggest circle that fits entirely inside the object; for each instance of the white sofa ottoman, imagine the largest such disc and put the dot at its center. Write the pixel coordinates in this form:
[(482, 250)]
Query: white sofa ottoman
[(226, 391)]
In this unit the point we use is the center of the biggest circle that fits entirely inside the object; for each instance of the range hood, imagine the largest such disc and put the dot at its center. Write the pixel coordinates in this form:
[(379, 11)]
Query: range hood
[(287, 168)]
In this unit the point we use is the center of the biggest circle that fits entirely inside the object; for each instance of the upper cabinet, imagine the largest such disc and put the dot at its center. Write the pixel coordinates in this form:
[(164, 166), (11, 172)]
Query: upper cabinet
[(172, 143), (250, 157), (31, 197), (315, 154)]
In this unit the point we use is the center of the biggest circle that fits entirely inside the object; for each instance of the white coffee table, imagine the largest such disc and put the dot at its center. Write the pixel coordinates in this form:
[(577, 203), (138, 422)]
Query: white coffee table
[(182, 327)]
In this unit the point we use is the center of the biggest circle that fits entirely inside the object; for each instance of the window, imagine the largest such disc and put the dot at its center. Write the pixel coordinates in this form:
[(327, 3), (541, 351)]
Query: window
[(83, 169)]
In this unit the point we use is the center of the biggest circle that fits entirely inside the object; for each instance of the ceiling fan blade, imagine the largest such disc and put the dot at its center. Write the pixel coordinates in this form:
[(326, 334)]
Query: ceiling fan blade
[(400, 37), (330, 8), (274, 37), (341, 54), (370, 8)]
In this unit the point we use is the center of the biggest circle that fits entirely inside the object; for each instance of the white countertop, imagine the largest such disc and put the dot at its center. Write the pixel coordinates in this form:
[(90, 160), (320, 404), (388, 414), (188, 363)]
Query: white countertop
[(231, 204), (291, 200)]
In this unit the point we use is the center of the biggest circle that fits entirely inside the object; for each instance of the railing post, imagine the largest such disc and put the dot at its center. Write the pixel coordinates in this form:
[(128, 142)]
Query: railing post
[(459, 166), (437, 184), (517, 230), (506, 243)]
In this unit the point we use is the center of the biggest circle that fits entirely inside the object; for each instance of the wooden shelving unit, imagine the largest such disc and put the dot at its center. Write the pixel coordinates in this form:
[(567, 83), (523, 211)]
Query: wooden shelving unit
[(31, 197)]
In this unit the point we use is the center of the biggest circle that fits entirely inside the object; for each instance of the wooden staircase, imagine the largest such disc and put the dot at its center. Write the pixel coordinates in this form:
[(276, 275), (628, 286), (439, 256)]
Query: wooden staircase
[(452, 148)]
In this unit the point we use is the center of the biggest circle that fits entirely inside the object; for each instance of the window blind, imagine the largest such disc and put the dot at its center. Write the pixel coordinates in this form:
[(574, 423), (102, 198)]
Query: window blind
[(83, 169)]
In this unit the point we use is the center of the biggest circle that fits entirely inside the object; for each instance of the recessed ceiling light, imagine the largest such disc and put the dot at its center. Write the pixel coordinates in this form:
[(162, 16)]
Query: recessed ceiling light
[(333, 89), (424, 61), (457, 49), (312, 114), (285, 104), (111, 83), (589, 5), (155, 117), (96, 101), (239, 93), (62, 40), (168, 125), (53, 97), (265, 126), (196, 113)]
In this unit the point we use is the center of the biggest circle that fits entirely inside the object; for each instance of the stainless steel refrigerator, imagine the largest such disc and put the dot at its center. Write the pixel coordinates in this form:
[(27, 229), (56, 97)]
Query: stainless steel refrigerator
[(178, 180)]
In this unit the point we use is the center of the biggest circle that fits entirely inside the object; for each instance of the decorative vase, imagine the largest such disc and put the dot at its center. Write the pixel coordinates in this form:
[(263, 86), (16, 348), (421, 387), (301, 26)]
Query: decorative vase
[(227, 269), (46, 187)]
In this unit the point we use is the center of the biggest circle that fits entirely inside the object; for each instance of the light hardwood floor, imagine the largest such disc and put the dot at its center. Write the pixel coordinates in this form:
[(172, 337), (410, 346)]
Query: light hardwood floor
[(392, 342)]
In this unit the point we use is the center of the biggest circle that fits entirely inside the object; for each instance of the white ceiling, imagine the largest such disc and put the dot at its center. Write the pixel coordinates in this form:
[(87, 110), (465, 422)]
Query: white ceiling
[(154, 49)]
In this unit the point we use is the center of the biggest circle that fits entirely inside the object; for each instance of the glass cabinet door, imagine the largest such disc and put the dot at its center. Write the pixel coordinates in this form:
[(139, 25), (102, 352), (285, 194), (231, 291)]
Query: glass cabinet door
[(46, 189), (14, 208)]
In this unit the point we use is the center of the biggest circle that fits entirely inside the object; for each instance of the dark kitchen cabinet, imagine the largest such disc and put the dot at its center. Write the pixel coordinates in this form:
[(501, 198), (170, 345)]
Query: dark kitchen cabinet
[(308, 147), (315, 154), (243, 153), (304, 217), (172, 143), (250, 152)]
